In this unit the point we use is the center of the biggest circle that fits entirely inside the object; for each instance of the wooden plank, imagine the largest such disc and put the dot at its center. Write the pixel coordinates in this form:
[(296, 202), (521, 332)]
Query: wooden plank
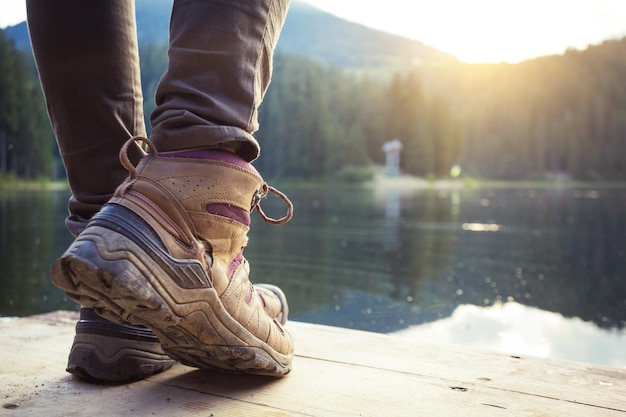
[(337, 372), (568, 381)]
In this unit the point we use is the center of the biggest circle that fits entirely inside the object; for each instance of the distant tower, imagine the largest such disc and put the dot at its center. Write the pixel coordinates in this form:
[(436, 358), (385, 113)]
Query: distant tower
[(392, 157)]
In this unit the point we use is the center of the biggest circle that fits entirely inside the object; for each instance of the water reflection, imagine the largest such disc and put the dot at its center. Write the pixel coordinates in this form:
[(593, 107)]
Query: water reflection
[(32, 235), (518, 329), (384, 259)]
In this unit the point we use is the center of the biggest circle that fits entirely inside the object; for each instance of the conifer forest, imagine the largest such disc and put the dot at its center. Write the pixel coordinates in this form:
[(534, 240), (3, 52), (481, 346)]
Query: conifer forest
[(557, 115)]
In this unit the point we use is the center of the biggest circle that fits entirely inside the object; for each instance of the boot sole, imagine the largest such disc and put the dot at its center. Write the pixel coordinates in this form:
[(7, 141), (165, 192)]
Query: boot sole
[(119, 267), (89, 360), (105, 351)]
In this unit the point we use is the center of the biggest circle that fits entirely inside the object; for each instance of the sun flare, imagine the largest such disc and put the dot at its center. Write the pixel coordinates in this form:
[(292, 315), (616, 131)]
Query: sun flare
[(473, 31), (491, 30)]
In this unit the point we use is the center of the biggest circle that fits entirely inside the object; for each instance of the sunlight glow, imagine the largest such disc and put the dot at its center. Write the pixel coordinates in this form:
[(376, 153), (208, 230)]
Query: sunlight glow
[(473, 31), (518, 329), (481, 227), (12, 12), (491, 30), (455, 171)]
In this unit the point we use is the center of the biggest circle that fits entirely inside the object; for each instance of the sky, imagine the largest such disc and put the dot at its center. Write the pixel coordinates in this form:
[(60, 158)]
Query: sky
[(473, 31)]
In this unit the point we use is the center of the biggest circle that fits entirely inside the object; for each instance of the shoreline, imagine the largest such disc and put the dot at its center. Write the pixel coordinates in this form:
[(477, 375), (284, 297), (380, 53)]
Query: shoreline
[(12, 184), (378, 181), (410, 182)]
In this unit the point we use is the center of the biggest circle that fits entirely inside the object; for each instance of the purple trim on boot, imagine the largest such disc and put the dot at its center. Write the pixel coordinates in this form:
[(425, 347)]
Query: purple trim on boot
[(239, 215), (212, 154), (235, 263)]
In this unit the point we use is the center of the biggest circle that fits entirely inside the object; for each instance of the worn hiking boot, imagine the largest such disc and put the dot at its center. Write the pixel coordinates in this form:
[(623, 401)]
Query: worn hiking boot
[(107, 351), (167, 252)]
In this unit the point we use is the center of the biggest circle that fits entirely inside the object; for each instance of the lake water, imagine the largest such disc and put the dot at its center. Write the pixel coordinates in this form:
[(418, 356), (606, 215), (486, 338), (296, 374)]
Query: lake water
[(526, 271)]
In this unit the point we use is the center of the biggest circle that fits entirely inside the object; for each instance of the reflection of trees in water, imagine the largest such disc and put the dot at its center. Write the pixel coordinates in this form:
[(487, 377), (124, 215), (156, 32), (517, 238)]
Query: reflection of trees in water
[(553, 251), (358, 240), (587, 257), (323, 252), (396, 256), (32, 234), (549, 251), (427, 241)]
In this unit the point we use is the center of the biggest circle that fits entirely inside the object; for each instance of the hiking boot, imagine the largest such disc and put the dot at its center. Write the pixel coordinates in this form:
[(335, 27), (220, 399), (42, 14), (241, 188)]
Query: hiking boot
[(166, 252), (107, 351)]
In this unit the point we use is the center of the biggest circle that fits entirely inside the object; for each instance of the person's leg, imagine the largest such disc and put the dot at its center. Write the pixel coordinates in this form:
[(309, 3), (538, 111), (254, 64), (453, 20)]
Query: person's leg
[(167, 251), (87, 59), (220, 67), (88, 63)]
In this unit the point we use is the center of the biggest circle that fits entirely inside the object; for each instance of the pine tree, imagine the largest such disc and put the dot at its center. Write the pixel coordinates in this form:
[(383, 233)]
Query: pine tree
[(9, 108)]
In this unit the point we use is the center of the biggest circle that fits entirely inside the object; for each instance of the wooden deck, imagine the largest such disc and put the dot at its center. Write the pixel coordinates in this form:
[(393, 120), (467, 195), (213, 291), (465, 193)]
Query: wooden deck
[(337, 372)]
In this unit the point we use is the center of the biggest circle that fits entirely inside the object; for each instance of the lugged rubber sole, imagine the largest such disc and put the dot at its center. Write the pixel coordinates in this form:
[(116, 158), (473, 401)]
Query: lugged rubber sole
[(110, 352), (118, 267), (87, 361)]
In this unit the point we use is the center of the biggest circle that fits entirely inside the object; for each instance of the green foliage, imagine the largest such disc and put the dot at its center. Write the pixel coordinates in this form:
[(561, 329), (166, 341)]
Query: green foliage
[(560, 115), (355, 174), (557, 115), (314, 120), (319, 122), (426, 126), (26, 142)]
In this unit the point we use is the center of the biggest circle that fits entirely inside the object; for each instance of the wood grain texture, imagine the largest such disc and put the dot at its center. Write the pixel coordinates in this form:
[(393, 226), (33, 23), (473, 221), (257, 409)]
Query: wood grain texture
[(337, 372)]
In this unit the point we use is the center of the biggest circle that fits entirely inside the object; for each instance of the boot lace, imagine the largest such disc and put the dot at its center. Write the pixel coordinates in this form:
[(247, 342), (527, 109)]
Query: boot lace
[(262, 193)]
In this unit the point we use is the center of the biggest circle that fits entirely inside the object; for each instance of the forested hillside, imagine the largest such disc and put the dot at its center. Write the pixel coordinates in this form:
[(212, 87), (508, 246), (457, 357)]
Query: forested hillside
[(559, 115), (563, 114), (26, 142), (320, 36)]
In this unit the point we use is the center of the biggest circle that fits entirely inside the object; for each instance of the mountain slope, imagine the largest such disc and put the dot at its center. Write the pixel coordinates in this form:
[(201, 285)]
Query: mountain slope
[(308, 32), (315, 34)]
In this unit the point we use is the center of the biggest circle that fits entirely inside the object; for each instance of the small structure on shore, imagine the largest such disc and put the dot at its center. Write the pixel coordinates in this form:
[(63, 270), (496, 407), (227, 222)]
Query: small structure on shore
[(392, 157)]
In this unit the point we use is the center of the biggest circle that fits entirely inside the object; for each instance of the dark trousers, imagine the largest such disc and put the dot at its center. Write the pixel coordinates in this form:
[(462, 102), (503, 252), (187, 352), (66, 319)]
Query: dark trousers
[(220, 64)]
